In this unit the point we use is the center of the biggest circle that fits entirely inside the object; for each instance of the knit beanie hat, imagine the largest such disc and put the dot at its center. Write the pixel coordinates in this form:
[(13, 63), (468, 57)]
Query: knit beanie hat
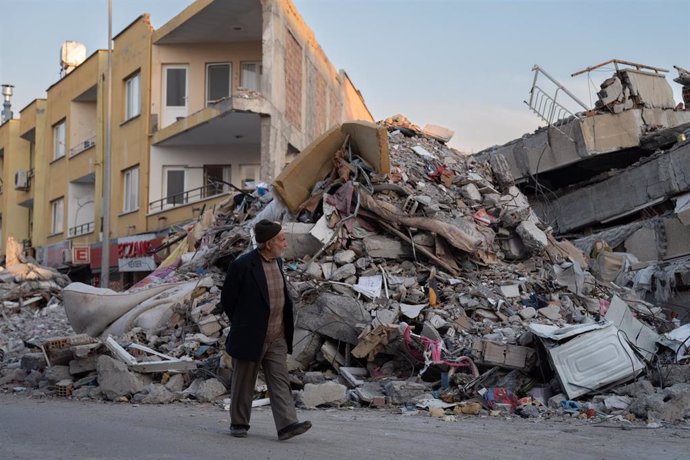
[(264, 230)]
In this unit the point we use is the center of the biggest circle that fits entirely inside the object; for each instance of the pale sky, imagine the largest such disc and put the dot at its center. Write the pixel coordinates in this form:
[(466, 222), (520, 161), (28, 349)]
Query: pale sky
[(461, 64)]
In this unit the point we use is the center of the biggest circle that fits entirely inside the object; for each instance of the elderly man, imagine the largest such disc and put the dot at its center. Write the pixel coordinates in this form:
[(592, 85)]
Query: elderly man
[(257, 302)]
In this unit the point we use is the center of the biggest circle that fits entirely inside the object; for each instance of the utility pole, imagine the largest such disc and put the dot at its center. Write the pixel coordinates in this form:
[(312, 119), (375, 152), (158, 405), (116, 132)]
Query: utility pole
[(105, 246)]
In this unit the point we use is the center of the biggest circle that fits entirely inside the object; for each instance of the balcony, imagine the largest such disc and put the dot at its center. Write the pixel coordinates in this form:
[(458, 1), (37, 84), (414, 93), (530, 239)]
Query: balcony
[(82, 146), (188, 196), (82, 229)]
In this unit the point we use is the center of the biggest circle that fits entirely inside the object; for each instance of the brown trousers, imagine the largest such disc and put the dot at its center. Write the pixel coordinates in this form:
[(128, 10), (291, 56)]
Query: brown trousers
[(274, 363)]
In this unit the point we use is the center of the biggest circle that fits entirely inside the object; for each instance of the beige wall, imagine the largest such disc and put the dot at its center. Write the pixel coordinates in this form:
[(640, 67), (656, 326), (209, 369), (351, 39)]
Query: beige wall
[(130, 145), (15, 151), (33, 125), (61, 105), (327, 97)]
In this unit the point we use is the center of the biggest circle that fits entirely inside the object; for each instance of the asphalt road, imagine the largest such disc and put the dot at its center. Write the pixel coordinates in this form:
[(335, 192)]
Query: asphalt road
[(62, 429)]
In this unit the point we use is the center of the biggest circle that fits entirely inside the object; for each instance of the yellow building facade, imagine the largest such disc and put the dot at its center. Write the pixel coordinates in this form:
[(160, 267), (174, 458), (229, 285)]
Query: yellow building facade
[(226, 92)]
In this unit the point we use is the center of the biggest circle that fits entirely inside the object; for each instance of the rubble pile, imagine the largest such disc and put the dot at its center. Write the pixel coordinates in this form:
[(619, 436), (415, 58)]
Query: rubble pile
[(30, 297), (419, 279)]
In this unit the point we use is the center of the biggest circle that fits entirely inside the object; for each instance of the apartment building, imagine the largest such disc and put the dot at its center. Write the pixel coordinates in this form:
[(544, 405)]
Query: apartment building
[(226, 92)]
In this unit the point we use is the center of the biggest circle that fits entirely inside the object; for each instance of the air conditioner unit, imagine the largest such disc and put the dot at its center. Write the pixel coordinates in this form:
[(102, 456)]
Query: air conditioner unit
[(21, 180)]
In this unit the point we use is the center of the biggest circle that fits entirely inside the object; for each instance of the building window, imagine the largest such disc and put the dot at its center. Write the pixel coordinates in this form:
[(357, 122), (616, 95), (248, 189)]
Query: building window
[(216, 178), (57, 214), (251, 75), (59, 140), (131, 189), (174, 186), (218, 82), (132, 96)]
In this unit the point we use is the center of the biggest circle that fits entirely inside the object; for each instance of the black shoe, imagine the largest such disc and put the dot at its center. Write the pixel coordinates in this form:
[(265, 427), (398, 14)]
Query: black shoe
[(238, 431), (293, 430)]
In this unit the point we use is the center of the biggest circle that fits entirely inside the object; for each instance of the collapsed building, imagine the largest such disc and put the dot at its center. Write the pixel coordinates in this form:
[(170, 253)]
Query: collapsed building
[(422, 277), (616, 174)]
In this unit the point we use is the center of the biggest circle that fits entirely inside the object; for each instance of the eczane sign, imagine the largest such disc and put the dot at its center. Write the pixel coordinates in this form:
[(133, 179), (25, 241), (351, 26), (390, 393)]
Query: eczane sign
[(132, 253)]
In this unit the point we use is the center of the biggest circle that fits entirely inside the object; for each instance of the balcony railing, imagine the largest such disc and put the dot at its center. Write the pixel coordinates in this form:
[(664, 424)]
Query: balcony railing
[(81, 146), (82, 229), (187, 196)]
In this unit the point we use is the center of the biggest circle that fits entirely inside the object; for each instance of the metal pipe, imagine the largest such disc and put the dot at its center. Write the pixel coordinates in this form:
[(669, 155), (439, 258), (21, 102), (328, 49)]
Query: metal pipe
[(616, 62), (105, 253)]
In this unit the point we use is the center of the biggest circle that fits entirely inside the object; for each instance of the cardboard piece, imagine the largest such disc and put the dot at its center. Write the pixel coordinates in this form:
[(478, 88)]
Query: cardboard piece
[(368, 140), (503, 355)]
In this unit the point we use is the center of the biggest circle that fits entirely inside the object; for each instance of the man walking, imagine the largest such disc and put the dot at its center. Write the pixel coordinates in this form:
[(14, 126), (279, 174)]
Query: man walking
[(257, 302)]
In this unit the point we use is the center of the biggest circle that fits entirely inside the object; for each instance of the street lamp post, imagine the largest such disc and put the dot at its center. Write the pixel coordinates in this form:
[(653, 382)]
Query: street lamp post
[(105, 253)]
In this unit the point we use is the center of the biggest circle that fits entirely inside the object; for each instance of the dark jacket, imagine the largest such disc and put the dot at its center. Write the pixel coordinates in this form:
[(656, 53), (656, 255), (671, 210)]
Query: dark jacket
[(245, 301)]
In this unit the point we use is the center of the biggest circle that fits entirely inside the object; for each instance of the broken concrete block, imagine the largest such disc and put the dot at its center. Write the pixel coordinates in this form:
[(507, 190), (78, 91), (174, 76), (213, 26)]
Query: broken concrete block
[(205, 390), (314, 270), (643, 244), (400, 392), (534, 238), (553, 312), (388, 248), (78, 366), (56, 373), (515, 207), (682, 209), (81, 393), (385, 316), (314, 377), (209, 326), (305, 346), (315, 395), (672, 374), (344, 272), (334, 316), (115, 379), (439, 133), (510, 290), (156, 393), (527, 313), (637, 389), (33, 361), (676, 405), (617, 402), (34, 379), (371, 392), (176, 383), (471, 192), (301, 242), (555, 401), (344, 257)]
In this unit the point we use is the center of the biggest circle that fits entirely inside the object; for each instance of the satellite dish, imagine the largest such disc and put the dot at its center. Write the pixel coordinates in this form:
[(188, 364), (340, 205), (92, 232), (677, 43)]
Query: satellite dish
[(71, 55)]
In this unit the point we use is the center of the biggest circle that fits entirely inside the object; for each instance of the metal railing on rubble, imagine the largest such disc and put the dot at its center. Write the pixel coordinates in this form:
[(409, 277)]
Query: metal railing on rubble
[(548, 108)]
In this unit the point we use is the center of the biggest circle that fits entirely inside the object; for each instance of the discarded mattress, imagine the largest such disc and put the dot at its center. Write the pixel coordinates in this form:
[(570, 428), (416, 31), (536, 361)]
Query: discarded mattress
[(90, 310)]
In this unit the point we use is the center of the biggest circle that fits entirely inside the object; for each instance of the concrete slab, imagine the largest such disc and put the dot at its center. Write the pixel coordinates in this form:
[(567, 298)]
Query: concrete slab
[(643, 244), (677, 238), (632, 189)]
